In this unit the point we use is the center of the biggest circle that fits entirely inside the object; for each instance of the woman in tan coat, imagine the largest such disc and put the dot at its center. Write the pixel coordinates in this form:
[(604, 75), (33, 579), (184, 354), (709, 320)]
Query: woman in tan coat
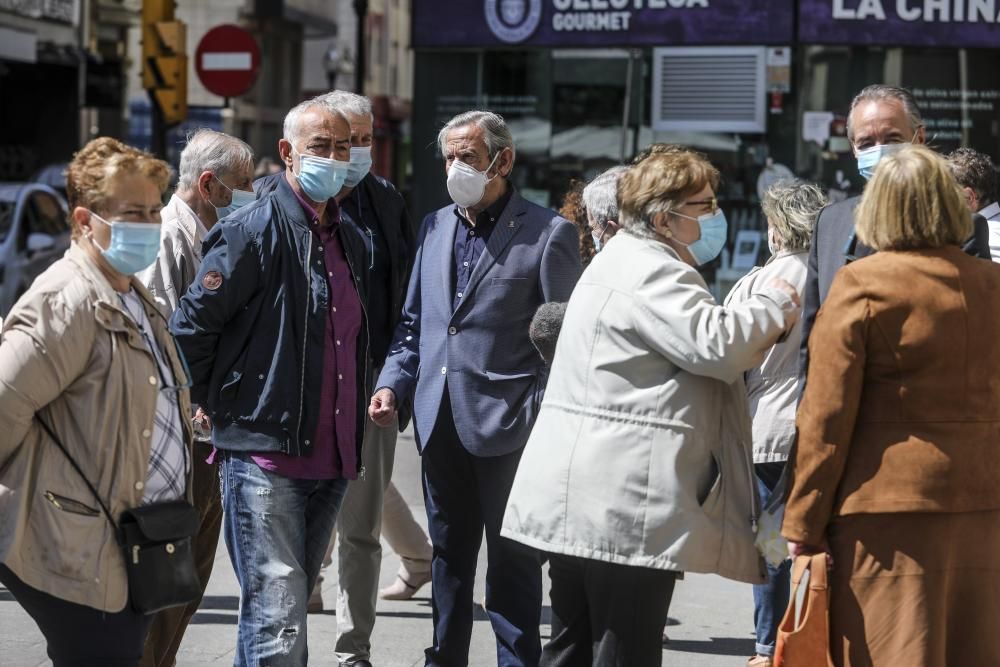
[(898, 461), (86, 352)]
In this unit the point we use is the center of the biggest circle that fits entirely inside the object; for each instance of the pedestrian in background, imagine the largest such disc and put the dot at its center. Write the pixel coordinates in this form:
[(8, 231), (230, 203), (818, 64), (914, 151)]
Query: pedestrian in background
[(274, 330), (895, 472), (214, 180), (86, 352), (573, 209), (483, 266), (977, 176), (790, 208), (600, 198), (637, 467), (882, 121)]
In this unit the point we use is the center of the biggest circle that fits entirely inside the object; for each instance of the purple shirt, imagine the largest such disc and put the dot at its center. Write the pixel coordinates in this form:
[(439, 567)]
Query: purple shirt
[(334, 453)]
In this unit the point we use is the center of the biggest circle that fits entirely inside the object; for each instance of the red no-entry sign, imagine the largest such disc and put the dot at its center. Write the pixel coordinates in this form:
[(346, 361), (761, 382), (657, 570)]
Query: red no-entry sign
[(227, 60)]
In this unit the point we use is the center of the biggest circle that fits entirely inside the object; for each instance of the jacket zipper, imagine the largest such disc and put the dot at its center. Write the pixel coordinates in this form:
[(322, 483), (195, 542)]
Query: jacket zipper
[(305, 339), (364, 377)]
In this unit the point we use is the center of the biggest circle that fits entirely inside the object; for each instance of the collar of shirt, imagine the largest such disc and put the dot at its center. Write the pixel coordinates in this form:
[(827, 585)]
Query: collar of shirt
[(991, 212), (200, 230), (332, 210), (489, 217)]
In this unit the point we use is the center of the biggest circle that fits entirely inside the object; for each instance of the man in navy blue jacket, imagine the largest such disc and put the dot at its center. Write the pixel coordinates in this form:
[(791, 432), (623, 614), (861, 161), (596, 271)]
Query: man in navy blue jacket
[(275, 333), (462, 353)]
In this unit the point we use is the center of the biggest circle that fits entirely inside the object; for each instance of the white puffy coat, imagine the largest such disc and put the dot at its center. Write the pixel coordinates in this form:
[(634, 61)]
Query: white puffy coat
[(641, 451)]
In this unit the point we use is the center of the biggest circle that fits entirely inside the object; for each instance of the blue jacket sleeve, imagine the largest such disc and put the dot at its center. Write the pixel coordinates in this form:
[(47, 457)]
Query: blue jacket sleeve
[(561, 267), (400, 370), (229, 276)]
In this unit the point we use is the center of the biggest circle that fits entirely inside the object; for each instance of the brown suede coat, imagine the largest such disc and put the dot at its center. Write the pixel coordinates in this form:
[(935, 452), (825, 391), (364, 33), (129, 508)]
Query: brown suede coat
[(901, 411)]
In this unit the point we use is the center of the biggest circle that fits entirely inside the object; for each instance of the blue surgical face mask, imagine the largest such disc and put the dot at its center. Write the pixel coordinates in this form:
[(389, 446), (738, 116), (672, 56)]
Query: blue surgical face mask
[(361, 164), (869, 158), (598, 236), (240, 199), (133, 246), (321, 178), (714, 230)]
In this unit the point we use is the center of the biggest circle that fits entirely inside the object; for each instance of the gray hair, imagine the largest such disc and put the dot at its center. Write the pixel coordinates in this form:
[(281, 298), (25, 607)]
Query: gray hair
[(791, 208), (881, 92), (344, 102), (208, 150), (290, 129), (600, 197), (495, 132)]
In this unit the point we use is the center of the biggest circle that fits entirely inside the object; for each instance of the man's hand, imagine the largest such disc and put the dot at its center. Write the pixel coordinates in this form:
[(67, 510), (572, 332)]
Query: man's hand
[(787, 288), (382, 409)]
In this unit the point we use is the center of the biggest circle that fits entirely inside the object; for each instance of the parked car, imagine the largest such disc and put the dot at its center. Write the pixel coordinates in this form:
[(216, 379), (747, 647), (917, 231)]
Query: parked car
[(34, 232), (54, 176)]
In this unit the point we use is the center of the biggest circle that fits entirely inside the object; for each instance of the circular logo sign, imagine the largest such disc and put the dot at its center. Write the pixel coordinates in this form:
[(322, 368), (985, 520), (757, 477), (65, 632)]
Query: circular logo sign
[(227, 60), (513, 21)]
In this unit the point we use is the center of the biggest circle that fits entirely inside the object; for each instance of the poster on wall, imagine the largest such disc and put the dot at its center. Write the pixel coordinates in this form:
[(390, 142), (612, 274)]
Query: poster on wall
[(601, 23), (943, 23)]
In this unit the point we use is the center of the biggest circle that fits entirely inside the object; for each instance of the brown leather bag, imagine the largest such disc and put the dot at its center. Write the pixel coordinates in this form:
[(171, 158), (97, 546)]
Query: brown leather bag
[(804, 640)]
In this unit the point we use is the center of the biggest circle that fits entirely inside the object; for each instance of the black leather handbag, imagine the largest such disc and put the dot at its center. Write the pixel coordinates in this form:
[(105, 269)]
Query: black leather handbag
[(157, 541)]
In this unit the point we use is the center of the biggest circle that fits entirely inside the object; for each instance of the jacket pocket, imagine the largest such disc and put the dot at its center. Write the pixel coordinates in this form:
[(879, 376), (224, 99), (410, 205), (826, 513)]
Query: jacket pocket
[(70, 505), (713, 489), (228, 390), (66, 539), (493, 376)]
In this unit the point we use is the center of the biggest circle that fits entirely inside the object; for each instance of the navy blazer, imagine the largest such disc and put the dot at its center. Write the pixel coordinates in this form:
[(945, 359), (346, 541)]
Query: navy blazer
[(495, 377)]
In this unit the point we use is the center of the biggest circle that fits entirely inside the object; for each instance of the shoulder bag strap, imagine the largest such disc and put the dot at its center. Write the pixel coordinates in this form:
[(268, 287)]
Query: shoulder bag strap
[(79, 472)]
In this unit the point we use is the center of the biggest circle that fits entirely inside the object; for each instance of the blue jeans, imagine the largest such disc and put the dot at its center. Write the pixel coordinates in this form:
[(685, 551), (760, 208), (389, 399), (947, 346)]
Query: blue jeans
[(277, 530), (770, 599)]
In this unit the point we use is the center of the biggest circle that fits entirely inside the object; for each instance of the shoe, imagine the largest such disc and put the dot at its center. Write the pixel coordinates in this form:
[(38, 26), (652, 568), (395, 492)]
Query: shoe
[(357, 663), (315, 604), (760, 661), (401, 589)]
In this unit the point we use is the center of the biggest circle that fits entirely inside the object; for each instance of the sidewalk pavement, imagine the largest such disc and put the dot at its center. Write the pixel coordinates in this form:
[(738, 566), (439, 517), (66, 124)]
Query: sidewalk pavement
[(711, 619)]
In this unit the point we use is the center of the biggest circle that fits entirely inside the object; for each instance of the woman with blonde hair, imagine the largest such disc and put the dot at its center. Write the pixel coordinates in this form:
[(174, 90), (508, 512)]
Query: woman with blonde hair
[(895, 473), (94, 411), (639, 464)]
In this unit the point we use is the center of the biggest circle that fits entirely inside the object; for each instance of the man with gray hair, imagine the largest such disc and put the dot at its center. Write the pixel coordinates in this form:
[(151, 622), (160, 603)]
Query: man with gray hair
[(275, 334), (882, 120), (483, 267), (977, 176), (600, 198), (215, 174)]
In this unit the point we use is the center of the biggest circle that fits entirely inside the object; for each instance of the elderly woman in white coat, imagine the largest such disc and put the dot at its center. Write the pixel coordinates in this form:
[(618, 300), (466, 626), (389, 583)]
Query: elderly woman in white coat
[(791, 208), (639, 465)]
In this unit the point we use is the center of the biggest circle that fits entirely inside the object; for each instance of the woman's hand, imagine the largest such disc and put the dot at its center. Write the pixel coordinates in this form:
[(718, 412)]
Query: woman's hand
[(796, 549), (787, 288)]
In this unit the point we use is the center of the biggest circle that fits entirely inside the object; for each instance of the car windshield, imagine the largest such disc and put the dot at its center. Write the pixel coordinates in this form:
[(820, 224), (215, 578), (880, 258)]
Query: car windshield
[(6, 218)]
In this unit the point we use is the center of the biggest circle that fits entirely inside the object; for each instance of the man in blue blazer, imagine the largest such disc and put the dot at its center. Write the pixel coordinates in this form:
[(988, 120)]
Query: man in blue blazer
[(461, 352)]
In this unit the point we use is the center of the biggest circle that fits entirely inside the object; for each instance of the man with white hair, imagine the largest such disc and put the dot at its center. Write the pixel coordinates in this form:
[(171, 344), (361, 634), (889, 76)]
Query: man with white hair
[(215, 174), (275, 334), (483, 267), (600, 198)]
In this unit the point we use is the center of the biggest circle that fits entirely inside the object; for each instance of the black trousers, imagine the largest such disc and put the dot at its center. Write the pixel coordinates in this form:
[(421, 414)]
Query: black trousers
[(79, 636), (606, 615), (466, 496)]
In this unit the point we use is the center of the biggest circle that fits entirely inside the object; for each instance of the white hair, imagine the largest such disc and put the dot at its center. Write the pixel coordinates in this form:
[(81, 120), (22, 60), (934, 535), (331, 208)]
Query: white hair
[(291, 129), (344, 102), (495, 132), (600, 197), (208, 150)]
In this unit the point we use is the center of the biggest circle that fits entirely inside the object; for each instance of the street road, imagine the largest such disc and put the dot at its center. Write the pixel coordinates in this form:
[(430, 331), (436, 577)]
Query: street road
[(711, 619)]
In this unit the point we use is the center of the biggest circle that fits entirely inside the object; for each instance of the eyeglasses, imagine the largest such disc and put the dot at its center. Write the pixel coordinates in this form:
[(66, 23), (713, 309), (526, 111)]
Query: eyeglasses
[(712, 202)]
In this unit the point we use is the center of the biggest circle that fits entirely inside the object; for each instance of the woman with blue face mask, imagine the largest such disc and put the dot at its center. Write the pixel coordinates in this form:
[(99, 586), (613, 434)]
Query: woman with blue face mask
[(639, 465), (96, 413)]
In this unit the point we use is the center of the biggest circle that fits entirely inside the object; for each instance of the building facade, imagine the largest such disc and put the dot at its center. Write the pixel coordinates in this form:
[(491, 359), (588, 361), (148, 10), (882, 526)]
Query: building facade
[(762, 86)]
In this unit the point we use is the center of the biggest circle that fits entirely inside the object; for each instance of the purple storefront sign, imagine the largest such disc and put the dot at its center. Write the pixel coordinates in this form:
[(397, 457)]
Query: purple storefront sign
[(945, 23), (599, 23)]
